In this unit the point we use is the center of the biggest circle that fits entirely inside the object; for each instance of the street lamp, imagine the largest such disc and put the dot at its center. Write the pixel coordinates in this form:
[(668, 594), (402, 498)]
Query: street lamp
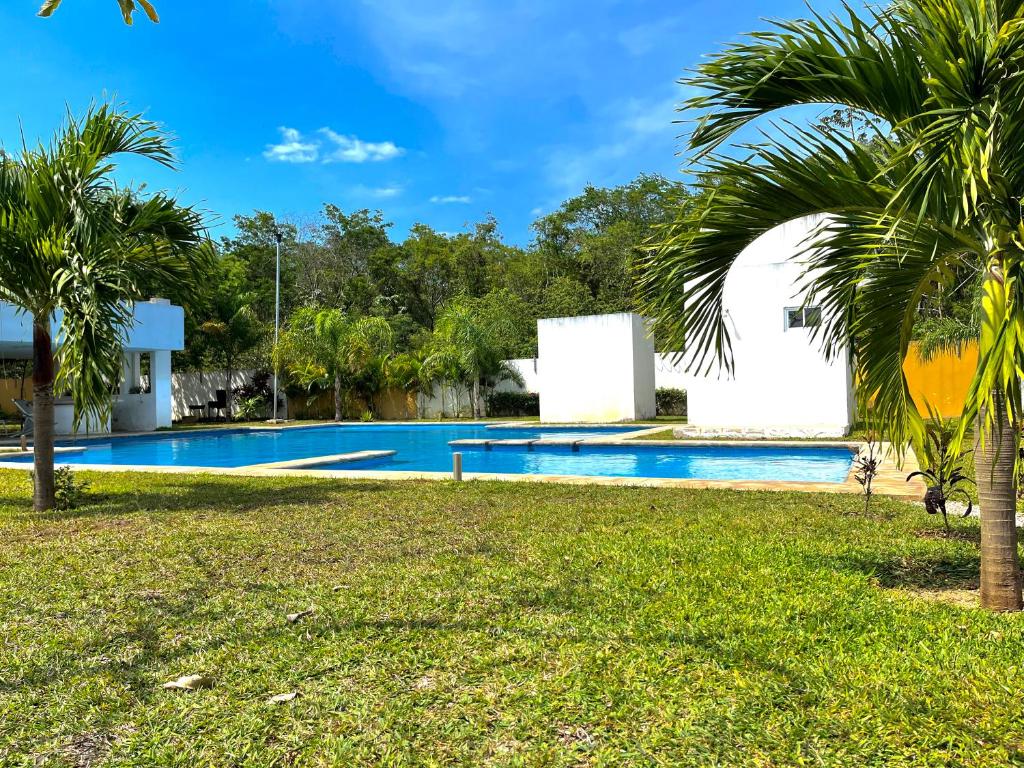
[(277, 310)]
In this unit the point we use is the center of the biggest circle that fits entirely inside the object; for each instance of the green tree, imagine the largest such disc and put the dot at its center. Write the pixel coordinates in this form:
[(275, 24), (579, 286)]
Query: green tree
[(128, 9), (350, 266), (936, 188), (428, 273), (329, 349), (75, 246), (467, 348), (595, 237), (255, 246)]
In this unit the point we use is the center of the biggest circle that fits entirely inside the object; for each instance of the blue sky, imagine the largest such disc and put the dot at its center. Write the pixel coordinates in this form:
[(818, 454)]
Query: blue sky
[(438, 112)]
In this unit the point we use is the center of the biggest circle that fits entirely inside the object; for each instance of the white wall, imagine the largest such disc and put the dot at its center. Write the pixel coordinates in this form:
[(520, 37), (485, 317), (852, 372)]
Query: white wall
[(782, 384), (528, 368), (201, 388), (598, 368)]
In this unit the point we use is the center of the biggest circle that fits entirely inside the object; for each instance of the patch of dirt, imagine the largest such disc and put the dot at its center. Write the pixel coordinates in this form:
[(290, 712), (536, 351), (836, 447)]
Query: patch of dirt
[(575, 735), (972, 535), (87, 749)]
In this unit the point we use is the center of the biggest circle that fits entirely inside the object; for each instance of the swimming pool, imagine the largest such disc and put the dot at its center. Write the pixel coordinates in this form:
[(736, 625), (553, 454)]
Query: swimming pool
[(428, 448)]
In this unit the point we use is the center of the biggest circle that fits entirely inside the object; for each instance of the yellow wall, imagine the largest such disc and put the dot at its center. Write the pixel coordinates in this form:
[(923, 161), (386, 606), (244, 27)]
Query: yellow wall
[(943, 381), (391, 405), (11, 389)]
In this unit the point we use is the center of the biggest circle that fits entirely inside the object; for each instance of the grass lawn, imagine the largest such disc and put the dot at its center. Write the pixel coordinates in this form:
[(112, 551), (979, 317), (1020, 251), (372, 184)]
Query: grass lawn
[(494, 624)]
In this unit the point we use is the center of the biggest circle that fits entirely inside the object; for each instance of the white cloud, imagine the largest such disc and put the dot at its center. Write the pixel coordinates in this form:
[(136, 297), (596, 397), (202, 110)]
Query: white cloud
[(379, 193), (292, 148), (450, 199), (333, 147), (350, 149)]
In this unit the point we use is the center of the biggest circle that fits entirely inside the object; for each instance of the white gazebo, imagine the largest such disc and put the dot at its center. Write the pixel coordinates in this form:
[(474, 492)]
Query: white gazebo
[(143, 402)]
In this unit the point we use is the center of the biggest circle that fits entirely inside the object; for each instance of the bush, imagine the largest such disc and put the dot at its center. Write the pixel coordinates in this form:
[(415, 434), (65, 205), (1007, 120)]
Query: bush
[(68, 490), (513, 404), (670, 401)]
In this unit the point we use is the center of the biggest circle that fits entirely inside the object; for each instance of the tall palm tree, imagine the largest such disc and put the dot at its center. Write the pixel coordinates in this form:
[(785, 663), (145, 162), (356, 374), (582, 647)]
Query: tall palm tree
[(328, 348), (73, 246), (128, 8), (232, 330), (935, 186), (467, 342)]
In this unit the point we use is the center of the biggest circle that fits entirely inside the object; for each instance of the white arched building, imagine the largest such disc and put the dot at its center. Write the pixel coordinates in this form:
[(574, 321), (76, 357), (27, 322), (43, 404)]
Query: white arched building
[(782, 384)]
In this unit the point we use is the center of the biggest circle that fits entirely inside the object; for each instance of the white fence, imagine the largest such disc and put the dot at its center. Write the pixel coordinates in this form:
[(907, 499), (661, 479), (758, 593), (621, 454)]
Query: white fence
[(201, 387)]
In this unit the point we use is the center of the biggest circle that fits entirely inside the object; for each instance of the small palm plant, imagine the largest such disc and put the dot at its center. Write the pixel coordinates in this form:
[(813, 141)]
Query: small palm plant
[(866, 465), (945, 473)]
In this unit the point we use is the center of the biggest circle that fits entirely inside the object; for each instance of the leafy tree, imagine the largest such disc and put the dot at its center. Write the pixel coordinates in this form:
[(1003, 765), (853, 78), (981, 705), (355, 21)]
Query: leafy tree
[(329, 349), (73, 243), (128, 9), (350, 265), (935, 189), (594, 238), (255, 247), (428, 273)]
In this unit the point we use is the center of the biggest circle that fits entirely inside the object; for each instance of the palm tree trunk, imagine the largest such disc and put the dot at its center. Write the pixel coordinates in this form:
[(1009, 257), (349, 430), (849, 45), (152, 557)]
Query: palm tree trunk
[(995, 457), (42, 415), (476, 397), (337, 397)]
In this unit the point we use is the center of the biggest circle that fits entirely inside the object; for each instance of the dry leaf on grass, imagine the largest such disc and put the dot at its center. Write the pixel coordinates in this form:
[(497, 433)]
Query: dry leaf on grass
[(189, 683), (294, 617), (283, 698)]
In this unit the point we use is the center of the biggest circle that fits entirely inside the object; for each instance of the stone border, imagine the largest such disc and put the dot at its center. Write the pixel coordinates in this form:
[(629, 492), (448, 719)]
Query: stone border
[(316, 461)]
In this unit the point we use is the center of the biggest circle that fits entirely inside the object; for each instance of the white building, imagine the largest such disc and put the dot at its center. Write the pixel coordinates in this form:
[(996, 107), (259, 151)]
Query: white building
[(782, 384), (604, 368), (598, 368), (143, 402)]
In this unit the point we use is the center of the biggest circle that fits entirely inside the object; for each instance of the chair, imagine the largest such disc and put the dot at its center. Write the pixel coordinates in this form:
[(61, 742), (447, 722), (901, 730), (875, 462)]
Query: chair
[(28, 425), (220, 404)]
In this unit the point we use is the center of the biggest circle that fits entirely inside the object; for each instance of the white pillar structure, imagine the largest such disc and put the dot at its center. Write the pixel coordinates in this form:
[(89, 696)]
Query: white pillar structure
[(143, 403), (595, 369)]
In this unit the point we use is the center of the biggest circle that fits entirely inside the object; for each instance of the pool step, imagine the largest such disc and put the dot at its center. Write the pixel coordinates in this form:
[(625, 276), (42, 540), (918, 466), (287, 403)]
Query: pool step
[(319, 461), (527, 443)]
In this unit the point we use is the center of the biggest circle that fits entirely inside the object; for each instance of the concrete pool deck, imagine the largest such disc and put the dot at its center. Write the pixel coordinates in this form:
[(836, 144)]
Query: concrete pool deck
[(890, 479)]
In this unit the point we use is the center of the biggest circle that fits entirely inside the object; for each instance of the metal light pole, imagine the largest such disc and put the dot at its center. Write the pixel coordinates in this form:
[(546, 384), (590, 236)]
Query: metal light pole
[(277, 311)]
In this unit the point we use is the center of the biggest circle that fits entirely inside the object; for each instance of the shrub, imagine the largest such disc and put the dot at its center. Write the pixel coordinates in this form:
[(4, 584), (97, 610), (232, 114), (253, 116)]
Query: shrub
[(670, 401), (250, 408), (68, 490), (513, 404)]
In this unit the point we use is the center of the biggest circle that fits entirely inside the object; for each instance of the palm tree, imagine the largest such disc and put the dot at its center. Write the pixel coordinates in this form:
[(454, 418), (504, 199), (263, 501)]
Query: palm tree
[(328, 348), (935, 186), (74, 246), (466, 344), (233, 330), (128, 8)]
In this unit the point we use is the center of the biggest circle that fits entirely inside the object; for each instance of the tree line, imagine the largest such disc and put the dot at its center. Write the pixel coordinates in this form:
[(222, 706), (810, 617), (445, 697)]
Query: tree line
[(450, 307)]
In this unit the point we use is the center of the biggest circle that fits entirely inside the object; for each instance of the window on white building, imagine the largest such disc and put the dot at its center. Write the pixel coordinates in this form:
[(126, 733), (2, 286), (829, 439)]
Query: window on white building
[(802, 317)]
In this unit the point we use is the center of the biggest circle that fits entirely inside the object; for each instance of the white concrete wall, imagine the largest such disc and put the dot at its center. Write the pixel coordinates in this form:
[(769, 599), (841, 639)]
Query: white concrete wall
[(64, 421), (598, 368), (782, 384), (201, 387), (528, 368), (157, 325)]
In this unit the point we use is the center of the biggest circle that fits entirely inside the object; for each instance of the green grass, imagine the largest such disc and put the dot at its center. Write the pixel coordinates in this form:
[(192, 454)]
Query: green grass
[(493, 624)]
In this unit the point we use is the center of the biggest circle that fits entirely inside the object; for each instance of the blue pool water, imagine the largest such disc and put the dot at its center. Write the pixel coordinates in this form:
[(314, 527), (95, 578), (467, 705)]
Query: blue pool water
[(425, 448), (812, 464)]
